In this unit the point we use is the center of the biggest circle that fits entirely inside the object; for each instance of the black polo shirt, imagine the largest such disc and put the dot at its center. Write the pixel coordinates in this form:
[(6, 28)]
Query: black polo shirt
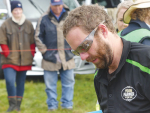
[(128, 88)]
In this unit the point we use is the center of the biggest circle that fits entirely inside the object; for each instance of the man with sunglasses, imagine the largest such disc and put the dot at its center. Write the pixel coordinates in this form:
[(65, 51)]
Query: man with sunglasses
[(123, 69)]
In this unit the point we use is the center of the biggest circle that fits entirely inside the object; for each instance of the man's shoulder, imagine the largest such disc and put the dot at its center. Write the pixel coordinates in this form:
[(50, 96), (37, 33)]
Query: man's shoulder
[(139, 49), (44, 16), (138, 46), (140, 53)]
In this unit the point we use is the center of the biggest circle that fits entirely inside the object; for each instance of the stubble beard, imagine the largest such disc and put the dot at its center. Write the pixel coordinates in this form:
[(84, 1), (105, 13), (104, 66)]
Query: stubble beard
[(105, 59), (104, 55)]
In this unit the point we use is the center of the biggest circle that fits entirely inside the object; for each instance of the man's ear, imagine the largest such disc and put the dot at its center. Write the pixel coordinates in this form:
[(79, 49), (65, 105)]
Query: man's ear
[(103, 29)]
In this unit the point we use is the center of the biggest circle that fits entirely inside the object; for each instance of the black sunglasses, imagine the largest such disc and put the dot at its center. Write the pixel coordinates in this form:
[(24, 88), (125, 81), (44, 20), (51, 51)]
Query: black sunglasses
[(86, 44)]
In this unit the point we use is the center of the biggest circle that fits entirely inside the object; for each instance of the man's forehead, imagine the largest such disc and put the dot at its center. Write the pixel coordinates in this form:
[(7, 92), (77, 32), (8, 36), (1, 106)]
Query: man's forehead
[(75, 36), (76, 32)]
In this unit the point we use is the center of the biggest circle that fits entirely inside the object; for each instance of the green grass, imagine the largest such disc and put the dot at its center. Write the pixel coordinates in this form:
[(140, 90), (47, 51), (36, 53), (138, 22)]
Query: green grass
[(34, 100)]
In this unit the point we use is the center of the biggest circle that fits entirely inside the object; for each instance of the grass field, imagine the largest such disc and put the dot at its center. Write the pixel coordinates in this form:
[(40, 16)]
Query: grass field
[(34, 100)]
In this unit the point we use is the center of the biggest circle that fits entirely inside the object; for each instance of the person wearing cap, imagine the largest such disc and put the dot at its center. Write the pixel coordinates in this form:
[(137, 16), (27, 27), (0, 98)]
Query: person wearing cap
[(138, 18), (121, 8), (57, 55), (122, 78), (18, 48)]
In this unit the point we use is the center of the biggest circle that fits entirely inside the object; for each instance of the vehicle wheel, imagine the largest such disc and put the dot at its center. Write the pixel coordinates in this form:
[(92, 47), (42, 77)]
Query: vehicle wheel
[(1, 71)]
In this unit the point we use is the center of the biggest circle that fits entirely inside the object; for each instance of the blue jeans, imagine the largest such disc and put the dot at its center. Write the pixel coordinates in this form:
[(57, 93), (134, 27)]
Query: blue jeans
[(67, 81), (12, 76)]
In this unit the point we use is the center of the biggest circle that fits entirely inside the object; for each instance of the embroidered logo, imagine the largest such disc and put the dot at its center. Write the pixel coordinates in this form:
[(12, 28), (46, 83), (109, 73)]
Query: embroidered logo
[(19, 5), (128, 93), (56, 0)]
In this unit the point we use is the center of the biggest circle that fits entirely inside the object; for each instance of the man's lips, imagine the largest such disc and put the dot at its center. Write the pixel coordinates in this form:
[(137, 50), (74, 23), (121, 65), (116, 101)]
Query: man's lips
[(94, 60)]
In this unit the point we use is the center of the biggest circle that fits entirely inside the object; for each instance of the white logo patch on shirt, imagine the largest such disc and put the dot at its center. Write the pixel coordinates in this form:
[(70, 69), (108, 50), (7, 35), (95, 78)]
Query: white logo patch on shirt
[(128, 93)]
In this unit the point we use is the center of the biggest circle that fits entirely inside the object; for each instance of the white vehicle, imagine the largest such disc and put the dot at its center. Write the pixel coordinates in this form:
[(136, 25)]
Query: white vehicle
[(3, 12), (33, 9), (106, 3)]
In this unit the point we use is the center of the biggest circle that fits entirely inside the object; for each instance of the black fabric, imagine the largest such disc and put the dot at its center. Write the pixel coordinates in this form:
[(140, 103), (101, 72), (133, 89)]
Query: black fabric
[(113, 95), (133, 25)]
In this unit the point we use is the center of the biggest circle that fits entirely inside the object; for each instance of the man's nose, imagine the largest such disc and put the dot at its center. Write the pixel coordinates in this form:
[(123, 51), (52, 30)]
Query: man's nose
[(84, 56)]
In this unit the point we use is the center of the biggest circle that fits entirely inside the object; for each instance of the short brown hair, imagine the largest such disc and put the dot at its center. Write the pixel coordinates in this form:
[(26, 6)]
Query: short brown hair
[(141, 14), (87, 18)]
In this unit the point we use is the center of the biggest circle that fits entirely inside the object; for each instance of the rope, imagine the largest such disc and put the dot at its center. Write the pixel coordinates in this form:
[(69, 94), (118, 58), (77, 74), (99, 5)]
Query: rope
[(34, 50)]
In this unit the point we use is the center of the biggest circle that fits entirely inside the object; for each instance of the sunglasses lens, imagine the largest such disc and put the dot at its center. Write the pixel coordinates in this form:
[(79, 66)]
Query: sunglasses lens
[(84, 47)]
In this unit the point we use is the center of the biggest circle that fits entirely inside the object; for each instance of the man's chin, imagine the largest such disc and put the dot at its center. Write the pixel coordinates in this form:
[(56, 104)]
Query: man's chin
[(95, 61), (100, 66)]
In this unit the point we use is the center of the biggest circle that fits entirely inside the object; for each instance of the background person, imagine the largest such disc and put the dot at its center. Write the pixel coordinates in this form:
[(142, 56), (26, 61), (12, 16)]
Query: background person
[(17, 34), (122, 79), (121, 8), (57, 56), (138, 18)]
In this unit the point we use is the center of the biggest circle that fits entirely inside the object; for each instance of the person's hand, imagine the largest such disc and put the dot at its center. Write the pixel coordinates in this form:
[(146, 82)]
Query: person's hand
[(5, 50)]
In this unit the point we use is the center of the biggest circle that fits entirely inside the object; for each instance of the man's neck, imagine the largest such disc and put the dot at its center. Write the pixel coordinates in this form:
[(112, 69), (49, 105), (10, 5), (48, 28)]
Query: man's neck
[(57, 15), (117, 52)]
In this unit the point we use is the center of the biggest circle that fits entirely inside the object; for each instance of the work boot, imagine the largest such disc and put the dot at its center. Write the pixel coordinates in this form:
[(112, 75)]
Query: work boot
[(12, 104), (19, 100)]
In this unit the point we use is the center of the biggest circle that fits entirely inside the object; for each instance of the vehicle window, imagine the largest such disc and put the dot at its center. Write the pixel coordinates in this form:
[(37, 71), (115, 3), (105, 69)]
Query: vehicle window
[(100, 2), (2, 4), (3, 11), (106, 3), (81, 2), (33, 9), (70, 3), (115, 2)]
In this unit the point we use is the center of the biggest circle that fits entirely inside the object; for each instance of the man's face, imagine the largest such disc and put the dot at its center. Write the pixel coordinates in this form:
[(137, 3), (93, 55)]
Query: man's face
[(100, 52), (57, 9), (17, 12)]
